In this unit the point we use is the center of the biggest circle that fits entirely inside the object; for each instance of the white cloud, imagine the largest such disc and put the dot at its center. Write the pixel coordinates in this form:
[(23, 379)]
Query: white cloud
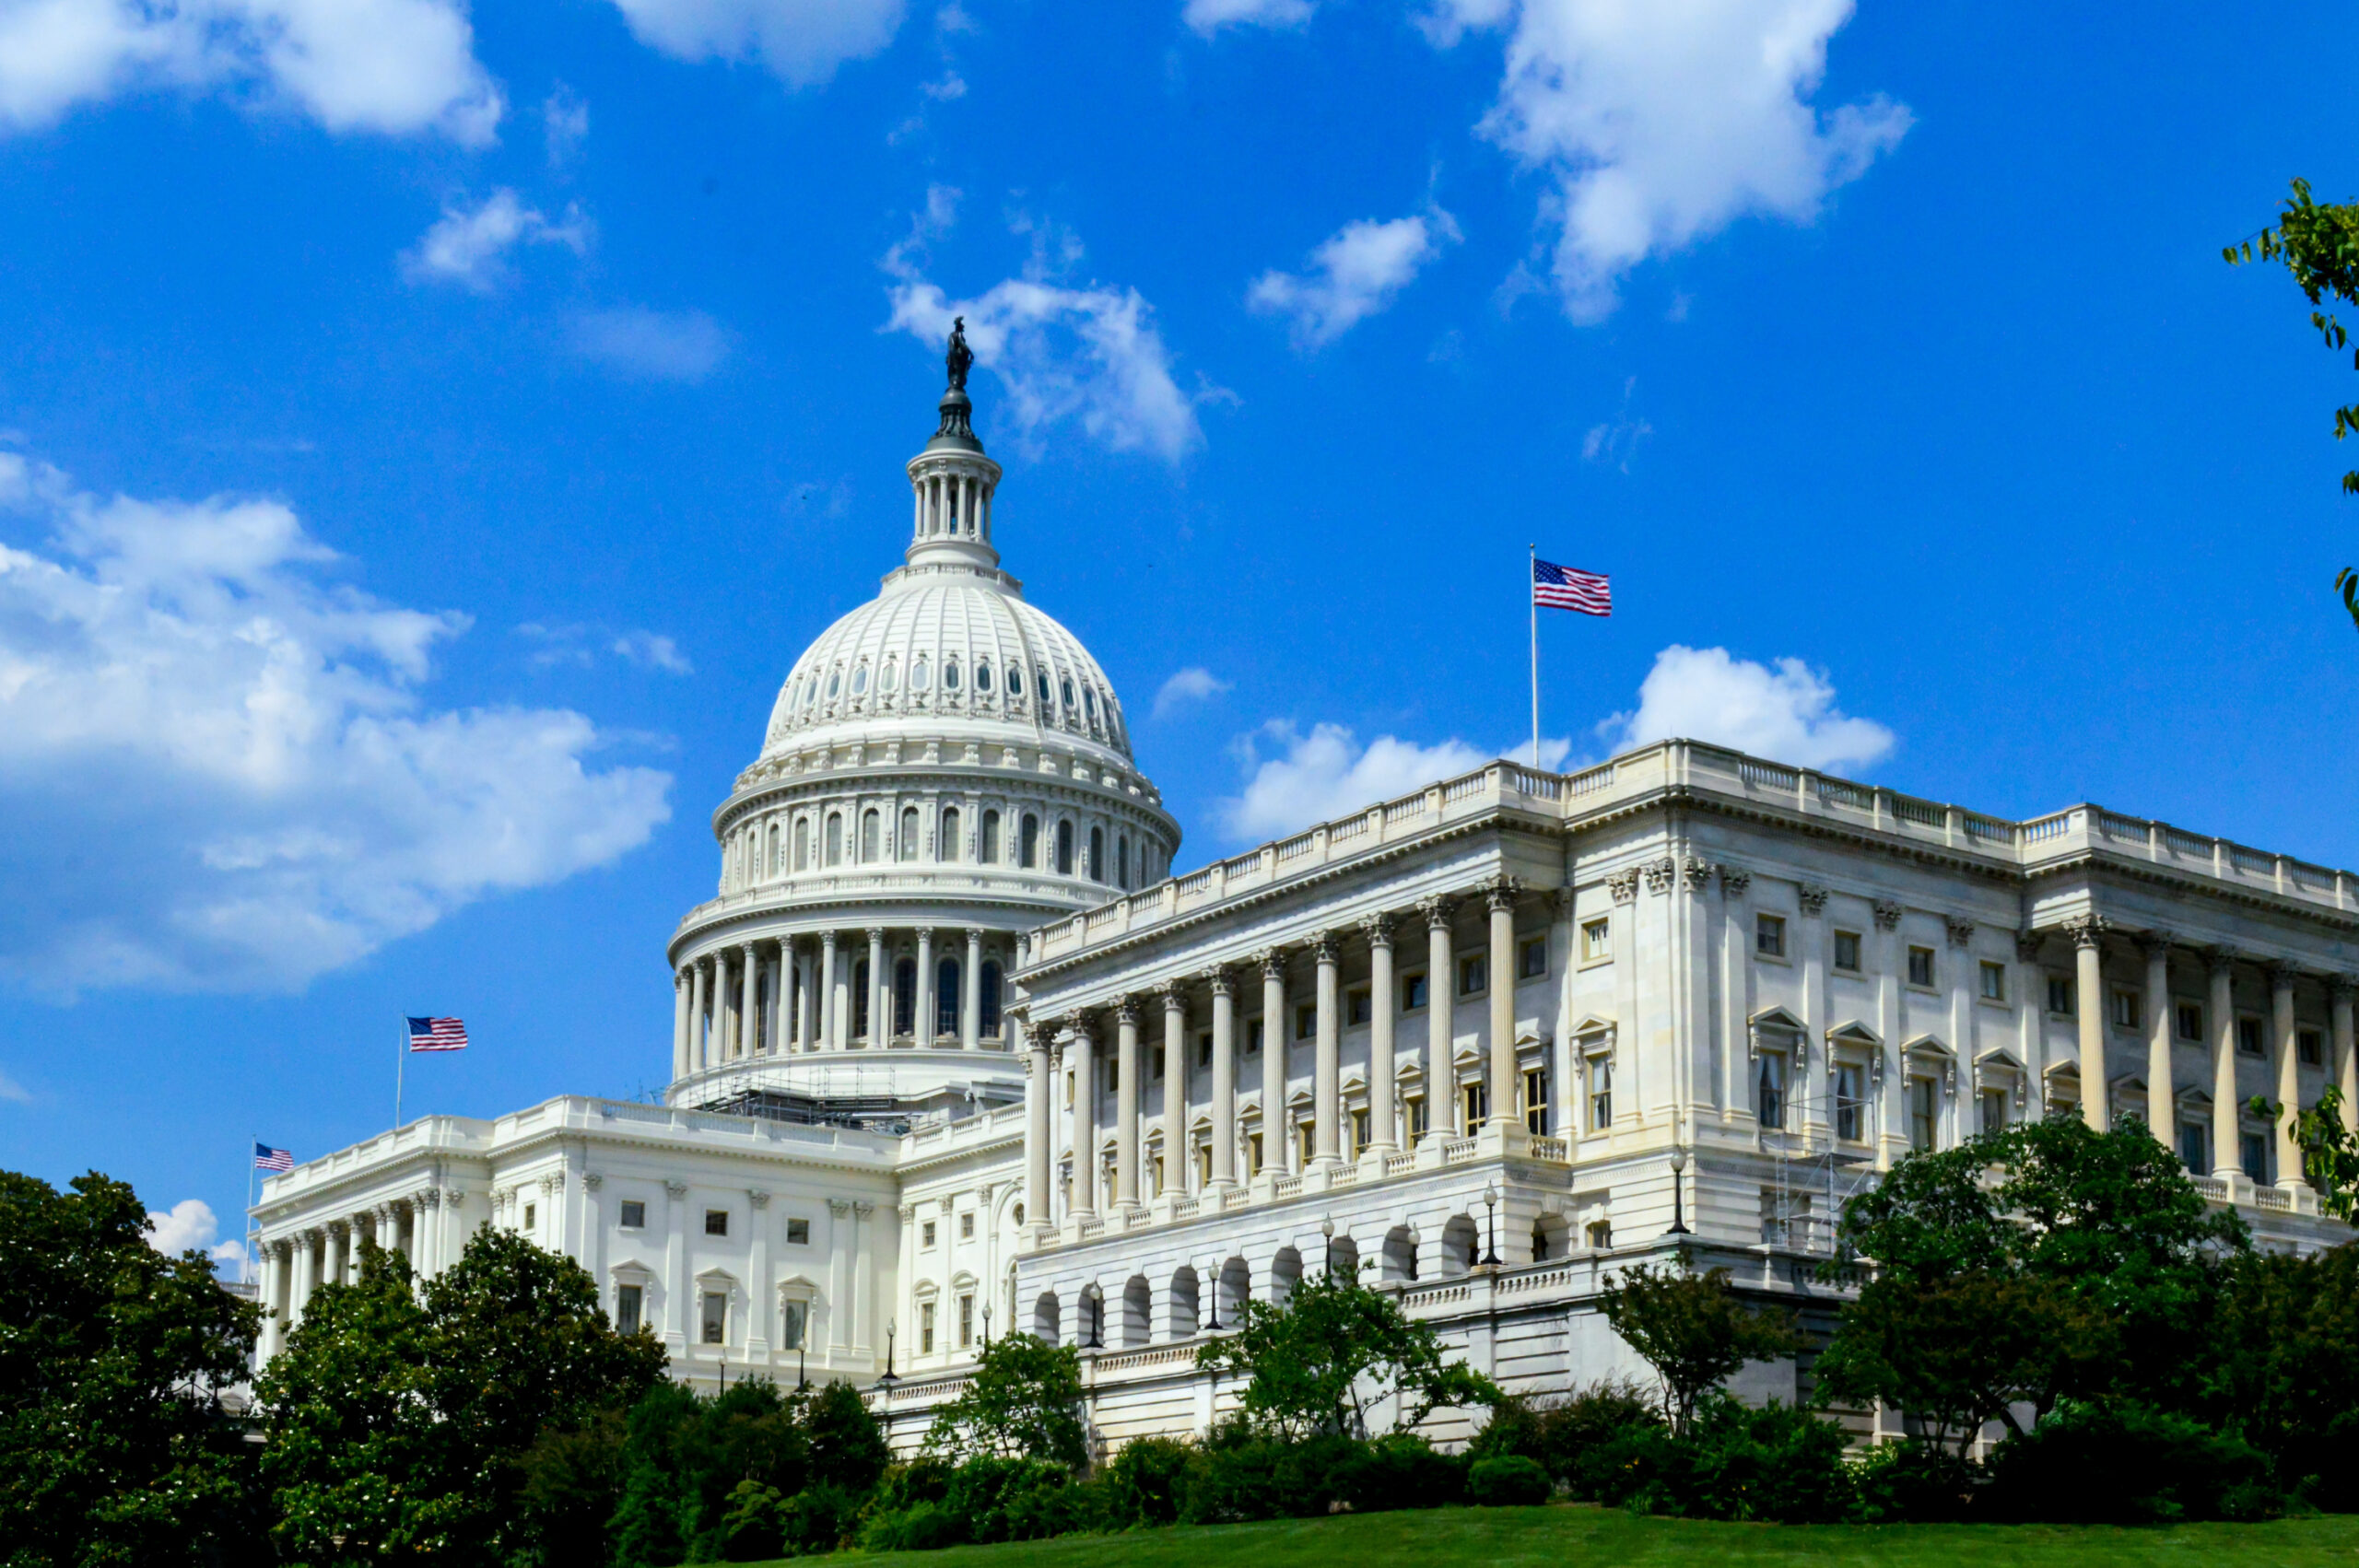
[(1355, 272), (1208, 16), (398, 67), (1661, 124), (580, 644), (1785, 712), (565, 125), (799, 41), (191, 1224), (654, 651), (1195, 684), (215, 770), (654, 345), (1329, 774), (12, 1092), (470, 247), (1089, 354), (1615, 442)]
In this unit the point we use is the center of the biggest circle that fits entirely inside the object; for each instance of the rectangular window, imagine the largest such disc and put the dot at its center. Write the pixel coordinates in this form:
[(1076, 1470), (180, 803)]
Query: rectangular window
[(1920, 967), (1994, 981), (1601, 1093), (1851, 1102), (1155, 1065), (1769, 935), (1769, 1089), (1359, 1132), (965, 1227), (792, 1317), (1846, 952), (532, 1215), (2129, 1010), (1253, 1154), (716, 1222), (1205, 1050), (1253, 1036), (1306, 1144), (1597, 940), (1472, 977), (1413, 991), (2190, 1021), (2254, 1146), (1203, 1165), (1531, 959), (1994, 1110), (925, 1328), (634, 1214), (1477, 1106), (1358, 1007), (2190, 1147), (2307, 1045), (716, 1317), (925, 1234), (1306, 1021), (798, 1233), (1535, 1101), (1600, 1234), (2059, 995), (2248, 1036), (1414, 1110), (629, 1301), (1924, 1114), (965, 1321)]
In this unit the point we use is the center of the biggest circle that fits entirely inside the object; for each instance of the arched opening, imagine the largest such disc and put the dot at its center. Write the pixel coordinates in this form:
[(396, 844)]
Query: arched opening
[(869, 846), (1285, 1272), (1398, 1263), (991, 838), (1461, 1245), (1097, 869), (1030, 842), (1122, 861), (773, 859), (1344, 1258), (909, 846), (1551, 1237), (993, 1022), (835, 839), (945, 997), (803, 843), (905, 996), (947, 848), (860, 998), (1179, 1319), (1044, 1317), (1137, 1306), (1064, 849), (1236, 1284)]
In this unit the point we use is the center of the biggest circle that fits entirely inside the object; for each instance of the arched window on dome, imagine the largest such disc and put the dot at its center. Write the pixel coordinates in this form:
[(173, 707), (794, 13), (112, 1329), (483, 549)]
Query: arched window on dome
[(1045, 697), (992, 1022), (982, 677), (1122, 861), (869, 830), (1029, 842), (946, 848), (1096, 870), (860, 681), (835, 839), (803, 843), (835, 684), (793, 695), (990, 856), (920, 677), (1064, 849), (1067, 687), (905, 996), (1089, 702), (946, 997), (890, 679), (774, 862), (950, 674), (908, 845)]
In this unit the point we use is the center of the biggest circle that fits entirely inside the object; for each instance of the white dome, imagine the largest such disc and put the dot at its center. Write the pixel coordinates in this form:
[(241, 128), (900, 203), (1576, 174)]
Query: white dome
[(956, 646)]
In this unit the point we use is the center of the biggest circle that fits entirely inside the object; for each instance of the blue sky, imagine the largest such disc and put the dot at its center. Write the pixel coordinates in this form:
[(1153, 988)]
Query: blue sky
[(427, 437)]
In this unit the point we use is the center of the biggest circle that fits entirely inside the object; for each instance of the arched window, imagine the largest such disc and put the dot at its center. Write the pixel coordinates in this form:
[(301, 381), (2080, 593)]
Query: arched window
[(950, 675), (909, 849), (945, 997), (775, 861), (1045, 698), (835, 839), (1089, 701), (869, 830), (892, 678), (991, 838), (803, 843), (919, 677), (859, 998), (982, 676), (1028, 840), (947, 848), (860, 681), (1064, 849), (1067, 687), (810, 690), (1096, 870), (905, 996), (1122, 861), (991, 999), (835, 684)]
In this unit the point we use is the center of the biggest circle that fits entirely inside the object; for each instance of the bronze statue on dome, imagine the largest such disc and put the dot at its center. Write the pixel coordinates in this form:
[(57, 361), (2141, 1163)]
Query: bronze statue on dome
[(960, 357)]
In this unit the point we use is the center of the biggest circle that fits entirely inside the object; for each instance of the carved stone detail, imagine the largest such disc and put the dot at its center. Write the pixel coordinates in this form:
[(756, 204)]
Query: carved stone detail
[(1660, 875), (1887, 914), (2027, 945), (757, 1198), (1735, 881), (1813, 899), (1961, 930), (1378, 929), (1624, 885), (1696, 873), (2086, 930), (675, 1189)]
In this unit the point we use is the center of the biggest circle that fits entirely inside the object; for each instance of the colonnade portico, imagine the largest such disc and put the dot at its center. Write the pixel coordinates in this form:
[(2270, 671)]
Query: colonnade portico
[(328, 1252), (816, 992)]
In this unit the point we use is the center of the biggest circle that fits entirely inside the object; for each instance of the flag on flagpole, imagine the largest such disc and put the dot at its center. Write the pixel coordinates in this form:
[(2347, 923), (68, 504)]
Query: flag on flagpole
[(1569, 588), (269, 1159), (437, 1034)]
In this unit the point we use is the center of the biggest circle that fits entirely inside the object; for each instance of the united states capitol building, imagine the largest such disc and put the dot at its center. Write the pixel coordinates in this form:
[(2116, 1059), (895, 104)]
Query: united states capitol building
[(956, 1052)]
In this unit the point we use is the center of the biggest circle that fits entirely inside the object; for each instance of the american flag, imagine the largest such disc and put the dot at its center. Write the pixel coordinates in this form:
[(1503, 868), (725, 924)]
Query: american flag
[(269, 1159), (1569, 588), (437, 1034)]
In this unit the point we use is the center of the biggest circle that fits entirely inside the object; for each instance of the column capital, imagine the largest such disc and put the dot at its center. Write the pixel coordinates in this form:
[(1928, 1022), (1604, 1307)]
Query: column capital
[(840, 1207), (1272, 961), (2086, 930), (1662, 873), (1075, 1025), (1126, 1009), (923, 934), (2341, 988), (1887, 914), (676, 1189), (2220, 960), (679, 979), (2027, 945), (1500, 892), (1961, 930), (1734, 880), (1624, 885), (863, 1210), (746, 947), (1219, 979), (2152, 942), (1378, 929), (591, 1180), (1813, 898), (975, 935), (876, 935), (2283, 973), (757, 1198), (339, 1227), (1696, 873), (1438, 912), (1174, 996), (429, 1198), (1323, 947)]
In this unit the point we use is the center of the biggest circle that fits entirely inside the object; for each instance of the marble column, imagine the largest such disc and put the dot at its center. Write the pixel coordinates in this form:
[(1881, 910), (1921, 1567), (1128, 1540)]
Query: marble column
[(970, 992), (880, 1022), (2162, 1103), (1327, 1057), (720, 1036), (1501, 901), (696, 1017), (302, 1274), (1441, 992), (679, 1024), (921, 1017), (679, 1310), (833, 1030), (1126, 1104), (1176, 1179), (1084, 1057), (1038, 1150), (1223, 1107), (2088, 1002), (749, 1011), (2220, 969), (2289, 1080), (1275, 1155), (1384, 1002), (2346, 1050), (761, 1292)]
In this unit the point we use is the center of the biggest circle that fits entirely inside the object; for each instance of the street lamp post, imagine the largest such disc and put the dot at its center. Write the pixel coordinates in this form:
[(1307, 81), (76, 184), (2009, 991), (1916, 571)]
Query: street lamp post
[(1214, 1275), (889, 1380), (1678, 1214), (1327, 1248), (1491, 1217), (1416, 1240), (986, 1326)]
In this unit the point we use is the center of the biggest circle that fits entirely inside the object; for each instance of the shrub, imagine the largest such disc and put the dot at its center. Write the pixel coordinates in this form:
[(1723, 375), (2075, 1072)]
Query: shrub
[(1144, 1484), (1508, 1482), (1561, 1434), (1261, 1477), (1001, 1499), (1914, 1482), (819, 1518), (921, 1527), (750, 1529), (1398, 1470), (2120, 1462), (1777, 1463)]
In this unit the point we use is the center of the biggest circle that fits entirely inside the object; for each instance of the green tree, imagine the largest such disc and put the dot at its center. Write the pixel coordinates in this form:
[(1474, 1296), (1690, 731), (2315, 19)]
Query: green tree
[(1305, 1364), (2318, 244), (1023, 1400), (1692, 1329), (847, 1449), (113, 1448), (2330, 1151), (2283, 1368)]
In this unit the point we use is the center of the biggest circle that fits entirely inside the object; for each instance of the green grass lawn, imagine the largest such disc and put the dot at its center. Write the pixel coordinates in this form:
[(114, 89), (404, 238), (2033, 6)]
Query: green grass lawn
[(1574, 1536)]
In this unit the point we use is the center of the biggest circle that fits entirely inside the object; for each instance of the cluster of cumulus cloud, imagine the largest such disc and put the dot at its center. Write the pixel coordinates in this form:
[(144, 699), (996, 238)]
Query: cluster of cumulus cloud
[(218, 764)]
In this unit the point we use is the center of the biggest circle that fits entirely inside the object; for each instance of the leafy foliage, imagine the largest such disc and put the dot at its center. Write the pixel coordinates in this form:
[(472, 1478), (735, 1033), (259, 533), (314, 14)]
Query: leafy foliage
[(1566, 1435), (1022, 1401), (1306, 1363), (2284, 1369), (2330, 1151), (2124, 1462), (1732, 1461), (1692, 1329), (113, 1448)]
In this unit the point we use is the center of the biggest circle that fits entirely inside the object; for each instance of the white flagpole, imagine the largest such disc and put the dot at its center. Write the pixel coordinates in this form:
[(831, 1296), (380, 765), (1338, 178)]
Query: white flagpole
[(1531, 569), (401, 1059), (245, 1263)]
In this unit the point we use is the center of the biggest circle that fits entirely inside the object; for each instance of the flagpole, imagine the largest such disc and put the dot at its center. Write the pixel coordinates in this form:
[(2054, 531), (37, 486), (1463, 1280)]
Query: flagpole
[(247, 1261), (401, 1059), (1533, 602)]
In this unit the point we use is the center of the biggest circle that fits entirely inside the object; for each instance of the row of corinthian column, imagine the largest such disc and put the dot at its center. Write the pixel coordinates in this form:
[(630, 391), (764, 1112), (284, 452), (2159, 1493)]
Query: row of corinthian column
[(1075, 1040), (718, 1016)]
